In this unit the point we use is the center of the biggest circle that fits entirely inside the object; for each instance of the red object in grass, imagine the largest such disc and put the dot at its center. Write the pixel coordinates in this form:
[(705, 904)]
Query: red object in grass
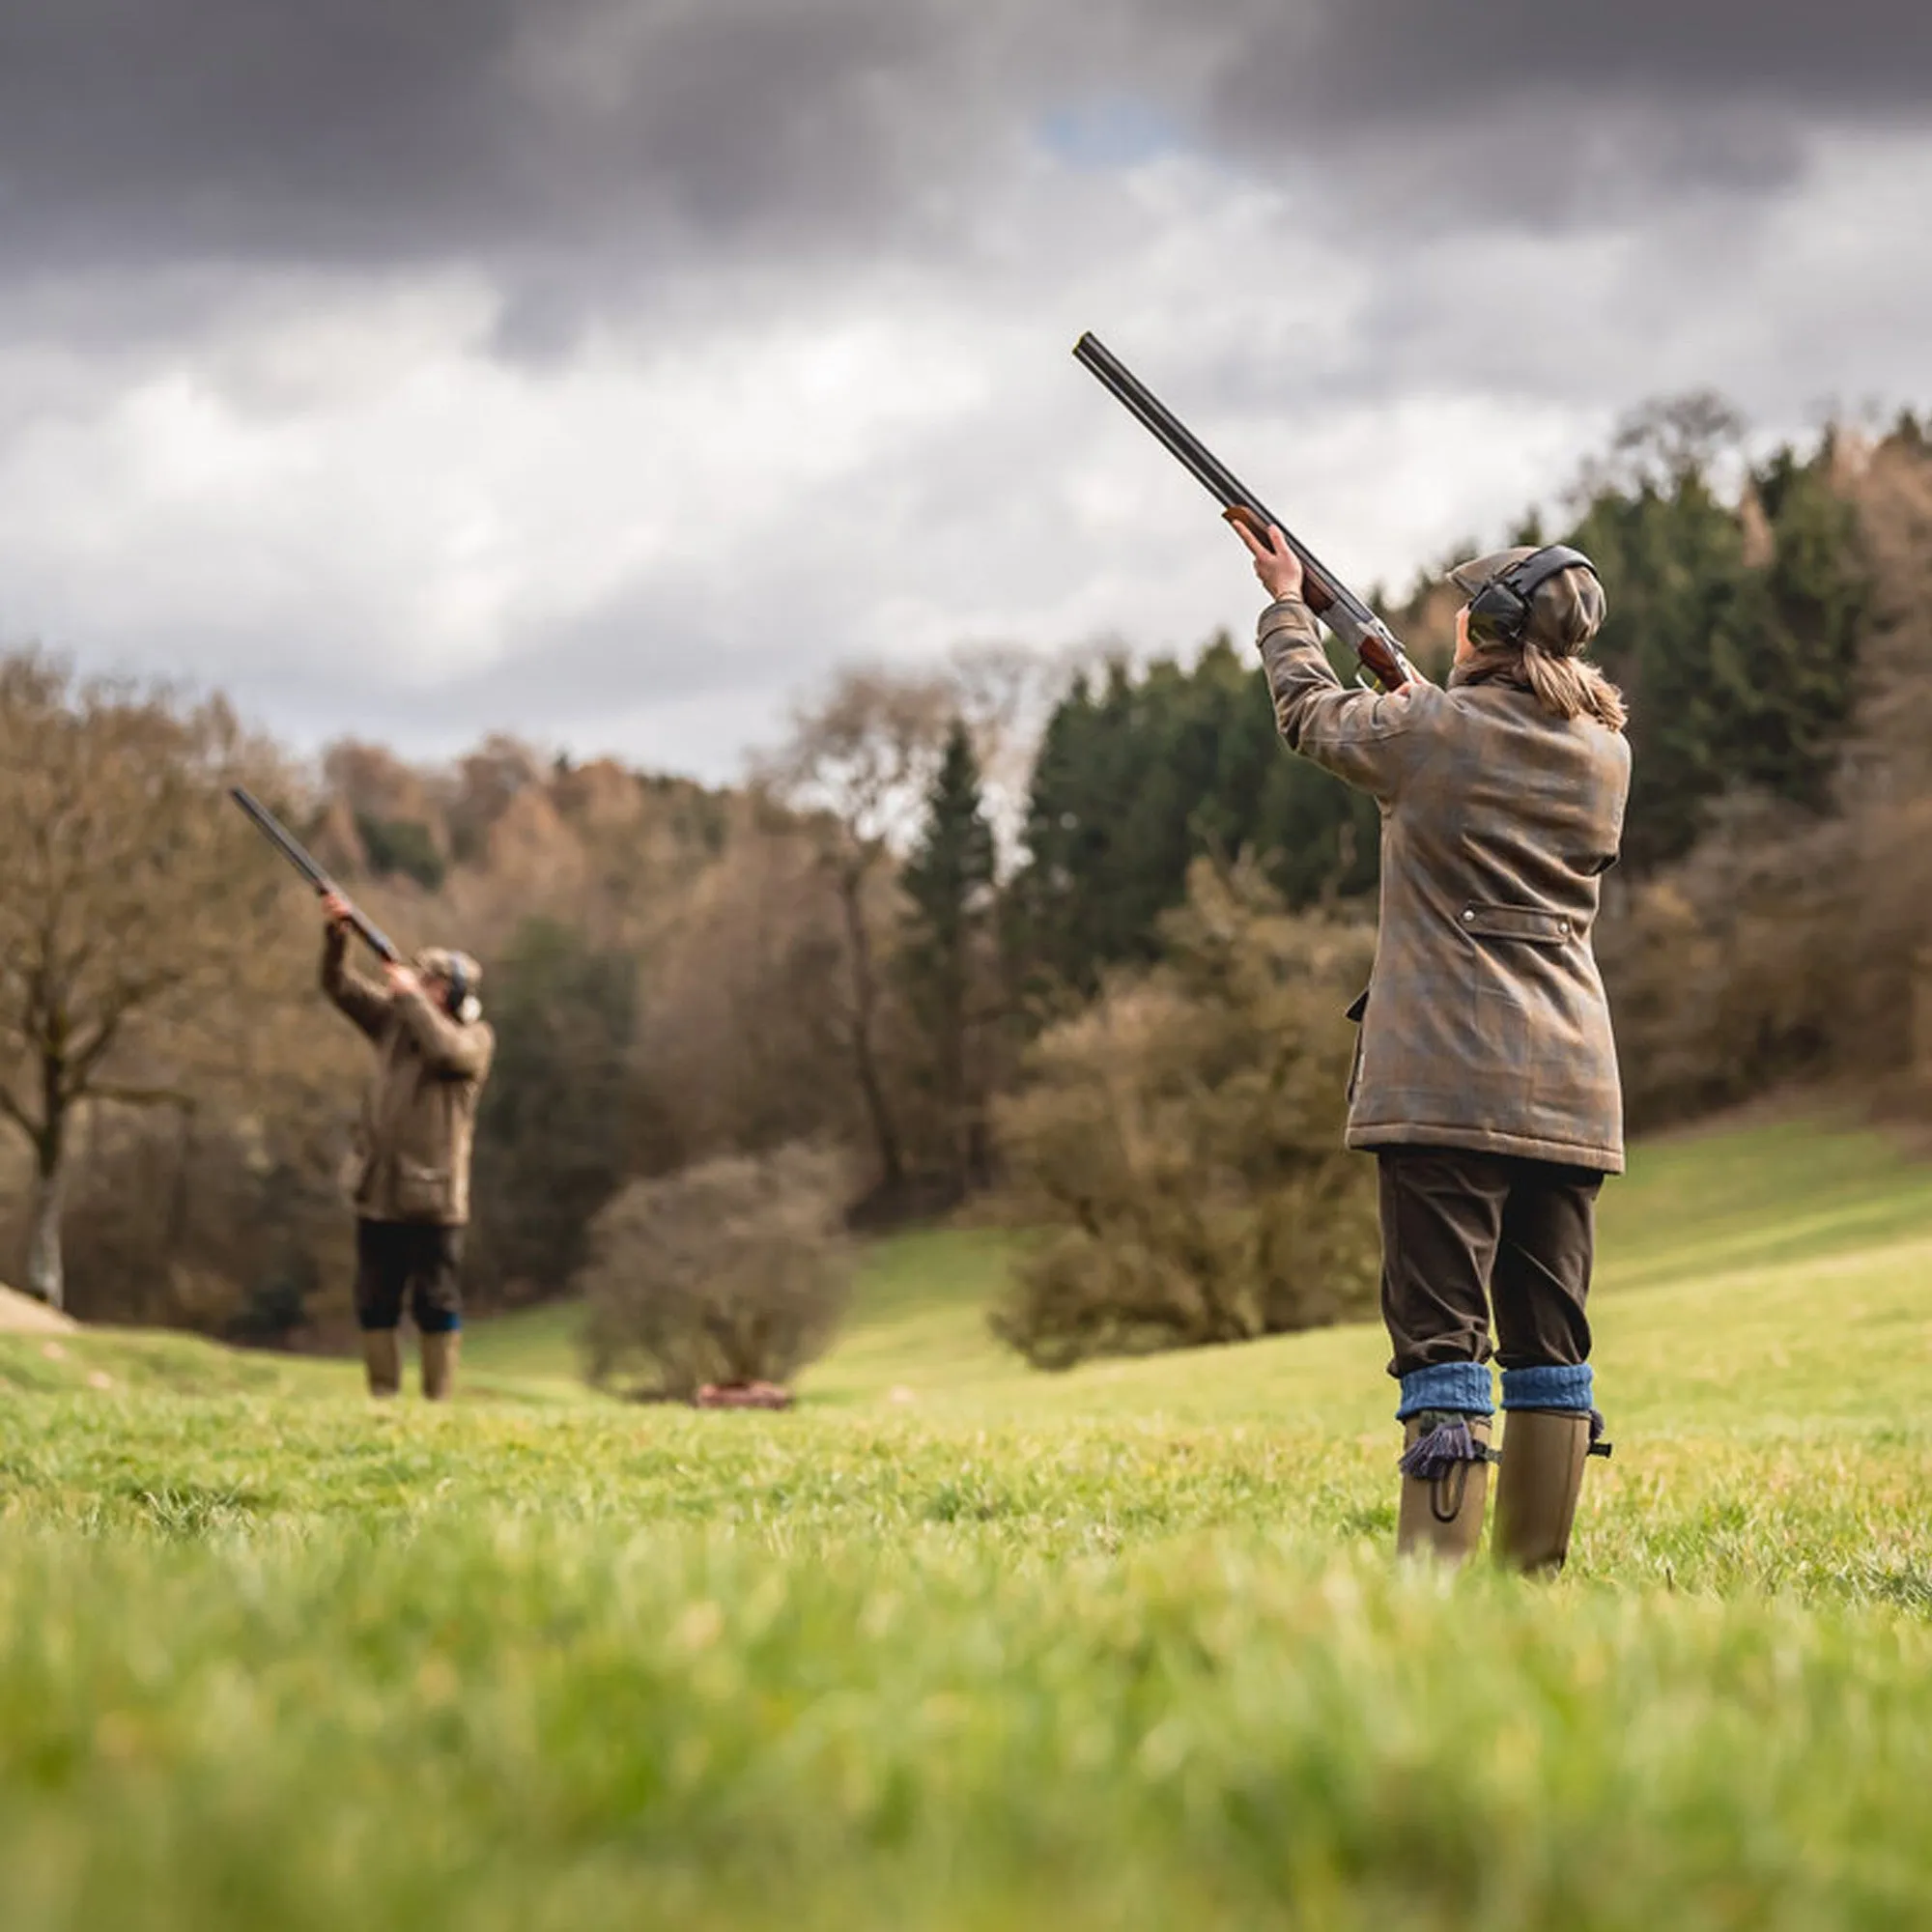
[(743, 1394)]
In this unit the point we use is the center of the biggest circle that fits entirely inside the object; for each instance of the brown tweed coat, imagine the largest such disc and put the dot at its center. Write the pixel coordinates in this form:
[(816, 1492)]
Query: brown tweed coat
[(409, 1157), (1485, 1024)]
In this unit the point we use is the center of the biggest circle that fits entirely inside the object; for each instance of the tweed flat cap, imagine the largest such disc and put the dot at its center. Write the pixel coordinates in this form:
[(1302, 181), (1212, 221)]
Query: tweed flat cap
[(1567, 610)]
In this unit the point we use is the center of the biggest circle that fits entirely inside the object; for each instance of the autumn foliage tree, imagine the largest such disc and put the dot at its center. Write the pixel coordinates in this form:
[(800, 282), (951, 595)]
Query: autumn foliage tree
[(135, 911)]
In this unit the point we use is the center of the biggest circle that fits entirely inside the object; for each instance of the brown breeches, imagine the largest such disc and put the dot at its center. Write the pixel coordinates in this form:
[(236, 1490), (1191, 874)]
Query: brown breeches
[(1467, 1236)]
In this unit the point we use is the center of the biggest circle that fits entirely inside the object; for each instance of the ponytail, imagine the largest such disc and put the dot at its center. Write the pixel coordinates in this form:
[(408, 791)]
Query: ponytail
[(1570, 688)]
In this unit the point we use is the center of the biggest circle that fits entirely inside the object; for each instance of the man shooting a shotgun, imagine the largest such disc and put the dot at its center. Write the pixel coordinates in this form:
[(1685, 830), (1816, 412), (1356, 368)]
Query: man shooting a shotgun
[(1486, 1077), (408, 1168), (407, 1171)]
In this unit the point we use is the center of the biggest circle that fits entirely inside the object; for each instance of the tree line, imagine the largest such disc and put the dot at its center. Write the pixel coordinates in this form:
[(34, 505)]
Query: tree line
[(898, 938)]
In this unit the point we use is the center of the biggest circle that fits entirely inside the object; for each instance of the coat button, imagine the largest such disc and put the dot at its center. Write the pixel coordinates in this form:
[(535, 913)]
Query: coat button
[(1469, 918)]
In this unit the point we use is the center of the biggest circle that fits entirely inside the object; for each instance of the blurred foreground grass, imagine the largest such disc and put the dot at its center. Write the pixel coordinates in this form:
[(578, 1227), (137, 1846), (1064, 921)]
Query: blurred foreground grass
[(958, 1645)]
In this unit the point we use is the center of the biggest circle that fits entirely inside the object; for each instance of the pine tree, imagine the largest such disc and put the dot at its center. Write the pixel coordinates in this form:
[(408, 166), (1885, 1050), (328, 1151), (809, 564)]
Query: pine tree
[(1130, 787), (553, 1125), (1064, 923), (1740, 665), (949, 882), (1804, 677)]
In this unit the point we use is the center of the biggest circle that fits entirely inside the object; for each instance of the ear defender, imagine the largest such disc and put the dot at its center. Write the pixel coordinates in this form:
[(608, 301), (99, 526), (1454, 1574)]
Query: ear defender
[(464, 1005), (1500, 608)]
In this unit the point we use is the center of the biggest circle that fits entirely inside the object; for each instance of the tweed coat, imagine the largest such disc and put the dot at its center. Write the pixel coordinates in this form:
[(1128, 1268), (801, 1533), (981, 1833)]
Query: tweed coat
[(1485, 1024), (409, 1159)]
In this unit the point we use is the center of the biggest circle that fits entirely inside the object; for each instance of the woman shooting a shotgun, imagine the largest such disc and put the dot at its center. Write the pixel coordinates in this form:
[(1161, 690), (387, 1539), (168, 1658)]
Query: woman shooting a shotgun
[(1486, 1074)]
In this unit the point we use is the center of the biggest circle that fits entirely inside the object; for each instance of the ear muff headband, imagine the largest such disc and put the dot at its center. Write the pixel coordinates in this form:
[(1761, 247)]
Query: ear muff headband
[(1501, 606)]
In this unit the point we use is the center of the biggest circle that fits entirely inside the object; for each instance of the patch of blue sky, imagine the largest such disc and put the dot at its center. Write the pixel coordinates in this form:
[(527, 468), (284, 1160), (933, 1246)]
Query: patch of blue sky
[(1112, 131)]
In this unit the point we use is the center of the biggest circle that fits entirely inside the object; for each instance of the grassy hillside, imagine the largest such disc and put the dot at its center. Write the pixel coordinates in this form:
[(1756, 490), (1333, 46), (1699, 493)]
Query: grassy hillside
[(959, 1645), (1718, 1210)]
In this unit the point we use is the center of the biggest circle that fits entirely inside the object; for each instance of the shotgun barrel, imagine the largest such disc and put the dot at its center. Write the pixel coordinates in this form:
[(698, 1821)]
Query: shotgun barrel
[(300, 857), (1324, 593)]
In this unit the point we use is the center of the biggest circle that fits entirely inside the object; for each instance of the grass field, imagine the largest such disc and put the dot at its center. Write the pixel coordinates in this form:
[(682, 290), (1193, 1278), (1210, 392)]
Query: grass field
[(958, 1645)]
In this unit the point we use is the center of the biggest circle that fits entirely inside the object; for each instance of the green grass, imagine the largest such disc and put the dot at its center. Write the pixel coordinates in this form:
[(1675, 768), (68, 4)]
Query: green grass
[(956, 1645)]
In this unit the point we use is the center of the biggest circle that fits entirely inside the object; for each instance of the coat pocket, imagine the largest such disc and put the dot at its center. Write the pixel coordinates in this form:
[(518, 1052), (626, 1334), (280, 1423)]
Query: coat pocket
[(423, 1191), (352, 1171), (1529, 923)]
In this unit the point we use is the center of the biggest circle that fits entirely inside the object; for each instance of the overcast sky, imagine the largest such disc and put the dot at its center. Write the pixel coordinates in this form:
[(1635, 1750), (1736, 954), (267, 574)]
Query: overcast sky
[(608, 370)]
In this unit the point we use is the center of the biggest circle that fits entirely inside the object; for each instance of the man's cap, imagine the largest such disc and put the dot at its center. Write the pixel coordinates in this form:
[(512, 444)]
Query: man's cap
[(442, 963), (1567, 610), (1482, 570)]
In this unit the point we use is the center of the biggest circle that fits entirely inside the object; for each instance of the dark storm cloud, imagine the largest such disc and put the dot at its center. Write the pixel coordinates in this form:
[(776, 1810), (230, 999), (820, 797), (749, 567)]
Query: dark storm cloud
[(1421, 58), (367, 132)]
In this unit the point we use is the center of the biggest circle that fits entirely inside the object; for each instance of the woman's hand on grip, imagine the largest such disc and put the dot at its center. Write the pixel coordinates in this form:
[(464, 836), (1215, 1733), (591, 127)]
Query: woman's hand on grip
[(1276, 563)]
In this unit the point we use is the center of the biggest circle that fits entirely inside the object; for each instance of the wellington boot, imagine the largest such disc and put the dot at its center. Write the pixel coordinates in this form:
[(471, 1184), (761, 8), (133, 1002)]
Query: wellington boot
[(382, 1361), (1544, 1452), (439, 1365), (1442, 1513)]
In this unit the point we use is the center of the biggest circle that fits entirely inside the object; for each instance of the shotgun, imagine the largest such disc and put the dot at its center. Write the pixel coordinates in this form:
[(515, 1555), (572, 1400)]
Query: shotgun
[(297, 855), (1379, 654)]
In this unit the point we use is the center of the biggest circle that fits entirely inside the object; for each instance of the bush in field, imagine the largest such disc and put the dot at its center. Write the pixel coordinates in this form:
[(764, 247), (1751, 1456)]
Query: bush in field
[(1729, 972), (733, 1271), (1180, 1142)]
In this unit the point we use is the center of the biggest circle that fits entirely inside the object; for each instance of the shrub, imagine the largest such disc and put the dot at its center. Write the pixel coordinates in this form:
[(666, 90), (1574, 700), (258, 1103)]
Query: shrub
[(1180, 1142), (1728, 971), (733, 1271)]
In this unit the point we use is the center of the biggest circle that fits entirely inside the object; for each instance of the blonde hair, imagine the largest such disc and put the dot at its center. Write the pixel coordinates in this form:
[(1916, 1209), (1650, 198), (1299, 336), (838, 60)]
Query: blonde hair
[(1573, 688)]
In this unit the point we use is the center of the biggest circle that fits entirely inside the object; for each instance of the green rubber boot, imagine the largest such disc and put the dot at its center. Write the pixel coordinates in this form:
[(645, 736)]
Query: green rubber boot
[(1543, 1453), (1442, 1502), (439, 1365), (382, 1361)]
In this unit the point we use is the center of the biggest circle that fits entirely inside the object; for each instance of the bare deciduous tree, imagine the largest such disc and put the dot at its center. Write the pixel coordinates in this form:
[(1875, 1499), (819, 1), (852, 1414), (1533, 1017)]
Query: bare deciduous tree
[(1006, 692), (133, 913), (858, 765), (1886, 784), (731, 1050), (1665, 440)]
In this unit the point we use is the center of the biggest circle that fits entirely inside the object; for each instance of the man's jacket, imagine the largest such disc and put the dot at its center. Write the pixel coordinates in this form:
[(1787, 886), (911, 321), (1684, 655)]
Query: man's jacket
[(410, 1160), (1485, 1024)]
